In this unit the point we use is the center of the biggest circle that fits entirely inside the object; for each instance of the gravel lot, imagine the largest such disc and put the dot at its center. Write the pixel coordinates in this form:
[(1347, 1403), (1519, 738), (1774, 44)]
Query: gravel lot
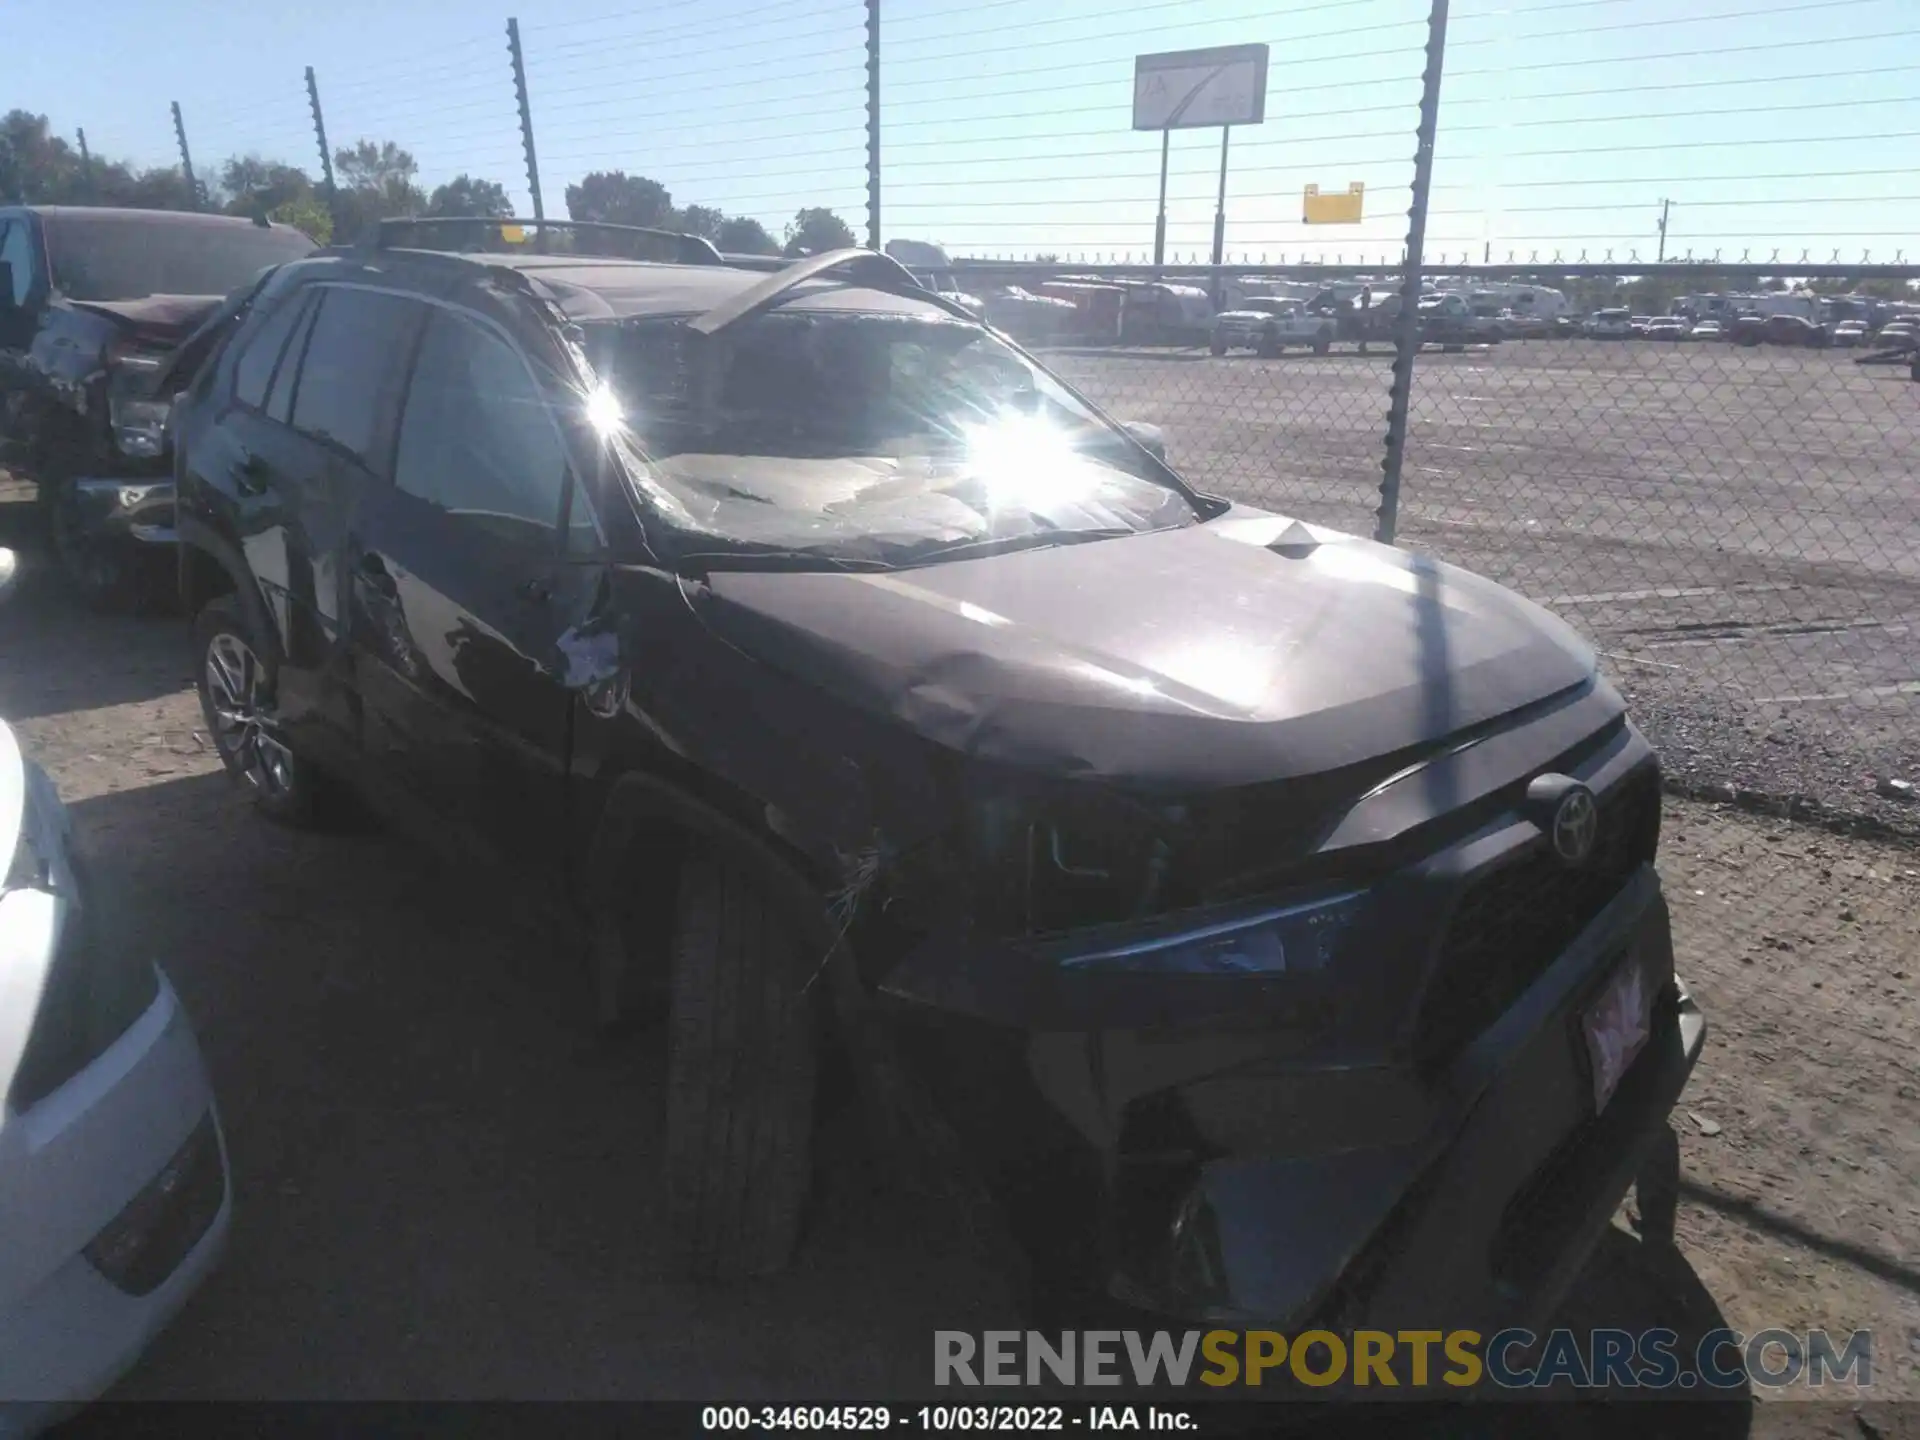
[(1738, 529), (443, 1178)]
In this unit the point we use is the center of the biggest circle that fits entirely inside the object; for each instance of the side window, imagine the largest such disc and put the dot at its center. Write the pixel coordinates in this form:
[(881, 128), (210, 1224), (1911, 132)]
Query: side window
[(16, 248), (253, 368), (476, 439), (349, 354), (280, 399)]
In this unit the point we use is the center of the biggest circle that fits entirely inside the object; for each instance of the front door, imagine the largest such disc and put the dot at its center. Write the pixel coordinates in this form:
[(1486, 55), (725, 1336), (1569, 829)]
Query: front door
[(458, 603)]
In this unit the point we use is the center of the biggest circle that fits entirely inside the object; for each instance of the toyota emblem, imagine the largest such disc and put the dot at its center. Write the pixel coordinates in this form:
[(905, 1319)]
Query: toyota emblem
[(1576, 825)]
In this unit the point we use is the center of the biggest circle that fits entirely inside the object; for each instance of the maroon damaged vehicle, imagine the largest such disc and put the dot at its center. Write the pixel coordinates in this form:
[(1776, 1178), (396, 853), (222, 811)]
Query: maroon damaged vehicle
[(95, 305), (1249, 923)]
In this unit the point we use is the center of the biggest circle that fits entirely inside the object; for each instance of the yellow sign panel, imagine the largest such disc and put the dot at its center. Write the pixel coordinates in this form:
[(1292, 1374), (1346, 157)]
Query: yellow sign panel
[(513, 234), (1336, 209)]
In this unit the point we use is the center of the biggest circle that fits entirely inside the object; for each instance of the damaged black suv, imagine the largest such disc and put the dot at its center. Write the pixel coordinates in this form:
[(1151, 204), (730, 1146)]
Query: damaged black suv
[(1264, 920)]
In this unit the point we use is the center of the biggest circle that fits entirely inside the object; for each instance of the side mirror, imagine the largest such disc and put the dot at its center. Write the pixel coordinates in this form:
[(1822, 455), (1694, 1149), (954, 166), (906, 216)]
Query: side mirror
[(1151, 437), (9, 573)]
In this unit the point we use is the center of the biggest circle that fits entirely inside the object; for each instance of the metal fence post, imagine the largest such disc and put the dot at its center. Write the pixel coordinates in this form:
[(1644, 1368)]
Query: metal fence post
[(186, 160), (326, 156), (1407, 326), (873, 124), (526, 118)]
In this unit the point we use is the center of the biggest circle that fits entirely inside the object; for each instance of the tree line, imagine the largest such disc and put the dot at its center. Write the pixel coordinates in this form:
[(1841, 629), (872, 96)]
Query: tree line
[(373, 180)]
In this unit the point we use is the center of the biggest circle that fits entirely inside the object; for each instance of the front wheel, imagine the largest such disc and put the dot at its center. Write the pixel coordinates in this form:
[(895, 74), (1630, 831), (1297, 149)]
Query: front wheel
[(1217, 347), (236, 676), (1322, 343), (740, 1076)]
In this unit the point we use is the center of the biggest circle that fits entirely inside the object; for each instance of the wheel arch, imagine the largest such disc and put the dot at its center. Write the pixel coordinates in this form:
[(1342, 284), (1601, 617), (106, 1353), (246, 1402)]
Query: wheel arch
[(211, 566), (655, 820)]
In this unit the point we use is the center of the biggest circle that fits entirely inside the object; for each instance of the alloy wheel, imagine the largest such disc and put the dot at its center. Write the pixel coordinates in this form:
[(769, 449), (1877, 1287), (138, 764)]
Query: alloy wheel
[(242, 731)]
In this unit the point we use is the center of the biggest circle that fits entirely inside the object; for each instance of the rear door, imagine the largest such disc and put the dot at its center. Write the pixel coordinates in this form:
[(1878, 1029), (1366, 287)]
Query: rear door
[(308, 427), (459, 600)]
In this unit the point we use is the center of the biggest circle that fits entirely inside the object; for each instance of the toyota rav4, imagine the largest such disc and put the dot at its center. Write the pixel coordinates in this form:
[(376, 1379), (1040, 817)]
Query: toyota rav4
[(1263, 919)]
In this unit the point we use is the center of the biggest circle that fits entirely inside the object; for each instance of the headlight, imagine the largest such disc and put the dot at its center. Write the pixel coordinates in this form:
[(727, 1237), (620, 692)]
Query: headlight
[(1070, 860), (137, 419), (1300, 937)]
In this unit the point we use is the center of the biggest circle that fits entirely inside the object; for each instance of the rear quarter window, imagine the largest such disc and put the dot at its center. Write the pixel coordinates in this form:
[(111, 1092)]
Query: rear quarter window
[(357, 342), (253, 367)]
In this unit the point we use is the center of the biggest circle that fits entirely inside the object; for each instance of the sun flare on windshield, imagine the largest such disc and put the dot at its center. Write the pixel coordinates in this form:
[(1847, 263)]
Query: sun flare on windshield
[(1026, 462), (603, 410)]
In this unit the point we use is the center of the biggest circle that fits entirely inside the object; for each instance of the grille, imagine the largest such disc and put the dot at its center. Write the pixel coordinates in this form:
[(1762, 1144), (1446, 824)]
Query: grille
[(1511, 922)]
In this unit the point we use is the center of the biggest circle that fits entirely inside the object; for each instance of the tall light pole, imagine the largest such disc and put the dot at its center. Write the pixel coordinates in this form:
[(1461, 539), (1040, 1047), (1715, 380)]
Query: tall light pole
[(1665, 206)]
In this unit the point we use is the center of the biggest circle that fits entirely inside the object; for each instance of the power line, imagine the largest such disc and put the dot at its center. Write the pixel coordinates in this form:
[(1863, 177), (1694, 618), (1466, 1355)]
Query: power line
[(654, 78), (730, 26), (1679, 85), (650, 12), (1122, 80), (651, 76), (1668, 179), (1680, 115), (572, 102), (1587, 63), (1592, 30), (1696, 204)]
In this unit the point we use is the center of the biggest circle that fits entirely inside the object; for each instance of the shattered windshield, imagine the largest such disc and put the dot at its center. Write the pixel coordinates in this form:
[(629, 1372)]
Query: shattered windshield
[(112, 257), (845, 435)]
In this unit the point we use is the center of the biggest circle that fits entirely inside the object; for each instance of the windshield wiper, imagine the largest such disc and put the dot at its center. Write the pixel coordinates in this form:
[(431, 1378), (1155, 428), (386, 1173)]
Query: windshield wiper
[(1005, 544)]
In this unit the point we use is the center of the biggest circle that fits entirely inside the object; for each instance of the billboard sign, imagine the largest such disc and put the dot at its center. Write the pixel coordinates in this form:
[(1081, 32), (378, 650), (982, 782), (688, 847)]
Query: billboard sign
[(1333, 208), (1200, 89)]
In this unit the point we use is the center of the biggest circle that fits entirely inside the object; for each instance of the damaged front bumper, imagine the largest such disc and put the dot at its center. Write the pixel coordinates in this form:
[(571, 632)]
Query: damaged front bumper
[(1415, 1143)]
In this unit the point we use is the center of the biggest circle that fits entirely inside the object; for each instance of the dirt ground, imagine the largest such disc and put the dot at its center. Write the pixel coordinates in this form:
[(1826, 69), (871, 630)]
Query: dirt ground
[(443, 1177)]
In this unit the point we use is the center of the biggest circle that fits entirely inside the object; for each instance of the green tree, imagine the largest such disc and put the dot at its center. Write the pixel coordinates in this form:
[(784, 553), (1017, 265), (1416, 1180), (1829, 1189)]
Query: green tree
[(252, 186), (816, 230), (376, 180), (744, 235), (701, 220), (464, 195), (308, 213), (35, 164), (616, 198)]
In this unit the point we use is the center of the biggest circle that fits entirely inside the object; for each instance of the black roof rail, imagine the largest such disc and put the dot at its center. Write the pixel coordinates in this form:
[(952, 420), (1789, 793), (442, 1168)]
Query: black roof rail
[(489, 235), (862, 267)]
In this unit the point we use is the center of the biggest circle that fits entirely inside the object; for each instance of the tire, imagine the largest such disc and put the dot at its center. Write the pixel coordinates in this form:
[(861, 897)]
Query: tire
[(1217, 347), (1322, 343), (245, 668), (742, 1060)]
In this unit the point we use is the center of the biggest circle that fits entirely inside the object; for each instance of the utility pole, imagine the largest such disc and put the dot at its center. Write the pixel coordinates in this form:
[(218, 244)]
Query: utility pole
[(873, 124), (326, 156), (1160, 218), (86, 165), (1665, 206), (186, 160), (526, 122), (1407, 322)]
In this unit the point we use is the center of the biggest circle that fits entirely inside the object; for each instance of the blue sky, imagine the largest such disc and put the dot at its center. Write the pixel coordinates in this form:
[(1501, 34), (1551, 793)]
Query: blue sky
[(1784, 125)]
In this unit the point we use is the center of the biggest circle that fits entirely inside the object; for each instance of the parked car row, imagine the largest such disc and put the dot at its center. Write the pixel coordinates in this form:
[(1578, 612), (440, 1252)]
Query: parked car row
[(772, 625)]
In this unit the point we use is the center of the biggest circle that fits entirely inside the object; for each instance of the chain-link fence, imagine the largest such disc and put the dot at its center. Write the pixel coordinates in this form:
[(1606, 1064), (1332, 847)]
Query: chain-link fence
[(1719, 493)]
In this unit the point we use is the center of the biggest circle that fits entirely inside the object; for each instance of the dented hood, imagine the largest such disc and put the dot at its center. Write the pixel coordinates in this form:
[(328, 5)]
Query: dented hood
[(1251, 648), (171, 317)]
